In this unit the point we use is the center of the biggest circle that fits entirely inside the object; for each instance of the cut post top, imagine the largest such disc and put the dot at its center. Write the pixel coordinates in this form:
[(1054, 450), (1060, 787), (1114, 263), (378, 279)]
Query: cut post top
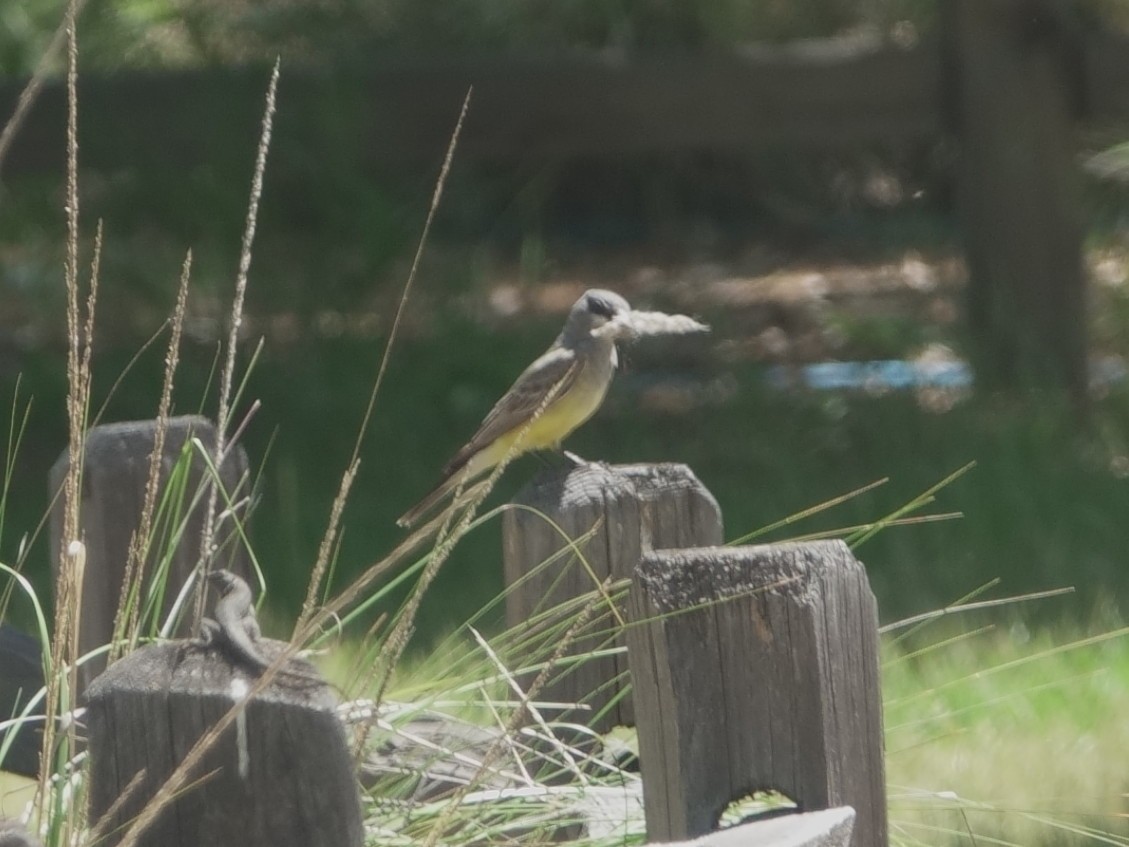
[(680, 579)]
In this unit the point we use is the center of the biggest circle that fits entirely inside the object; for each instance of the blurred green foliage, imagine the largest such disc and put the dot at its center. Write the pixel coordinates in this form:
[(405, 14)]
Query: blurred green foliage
[(171, 33), (145, 33)]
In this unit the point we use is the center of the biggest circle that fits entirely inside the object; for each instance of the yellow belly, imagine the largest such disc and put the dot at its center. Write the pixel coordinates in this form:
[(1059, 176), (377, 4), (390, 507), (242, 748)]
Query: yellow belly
[(561, 417)]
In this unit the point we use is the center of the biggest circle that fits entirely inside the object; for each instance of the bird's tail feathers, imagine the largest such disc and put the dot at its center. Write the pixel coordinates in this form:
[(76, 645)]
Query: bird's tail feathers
[(472, 488), (410, 517)]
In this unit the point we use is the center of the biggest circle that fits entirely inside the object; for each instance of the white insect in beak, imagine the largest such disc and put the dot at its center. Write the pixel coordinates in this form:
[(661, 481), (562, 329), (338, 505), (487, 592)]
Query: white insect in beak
[(620, 327), (631, 324)]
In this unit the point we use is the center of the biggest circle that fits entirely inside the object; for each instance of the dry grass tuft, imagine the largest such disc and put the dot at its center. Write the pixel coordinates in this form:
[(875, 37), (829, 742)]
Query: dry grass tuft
[(227, 375), (63, 678), (331, 533), (127, 617)]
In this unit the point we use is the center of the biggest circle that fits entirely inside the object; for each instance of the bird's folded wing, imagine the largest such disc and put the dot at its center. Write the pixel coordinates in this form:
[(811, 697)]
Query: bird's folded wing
[(555, 371)]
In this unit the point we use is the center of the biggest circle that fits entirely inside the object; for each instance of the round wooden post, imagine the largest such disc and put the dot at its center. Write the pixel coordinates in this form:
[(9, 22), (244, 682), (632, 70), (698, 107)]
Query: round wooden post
[(756, 669), (115, 473), (281, 776), (634, 508)]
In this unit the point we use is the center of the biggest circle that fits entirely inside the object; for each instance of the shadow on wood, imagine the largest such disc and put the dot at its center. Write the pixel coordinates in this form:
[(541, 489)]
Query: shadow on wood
[(21, 676), (633, 508), (281, 776), (756, 669), (115, 472), (828, 828)]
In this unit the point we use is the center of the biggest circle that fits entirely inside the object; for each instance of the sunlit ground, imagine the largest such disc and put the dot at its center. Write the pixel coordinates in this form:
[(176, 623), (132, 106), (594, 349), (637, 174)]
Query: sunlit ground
[(1002, 736)]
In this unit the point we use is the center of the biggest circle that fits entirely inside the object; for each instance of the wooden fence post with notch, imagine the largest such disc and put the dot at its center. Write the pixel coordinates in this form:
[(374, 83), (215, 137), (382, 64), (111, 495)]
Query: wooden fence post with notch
[(115, 473), (632, 508), (280, 776), (756, 668)]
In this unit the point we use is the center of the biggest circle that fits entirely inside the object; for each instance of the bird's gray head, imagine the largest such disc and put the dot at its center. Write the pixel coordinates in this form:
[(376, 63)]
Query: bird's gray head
[(595, 308)]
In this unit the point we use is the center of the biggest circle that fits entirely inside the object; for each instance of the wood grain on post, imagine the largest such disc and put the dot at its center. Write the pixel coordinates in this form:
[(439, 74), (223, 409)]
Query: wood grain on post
[(115, 473), (281, 776), (634, 507), (757, 669)]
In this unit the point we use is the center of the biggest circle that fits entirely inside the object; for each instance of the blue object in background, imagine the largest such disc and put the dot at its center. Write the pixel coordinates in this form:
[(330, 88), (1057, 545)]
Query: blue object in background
[(883, 374), (901, 375)]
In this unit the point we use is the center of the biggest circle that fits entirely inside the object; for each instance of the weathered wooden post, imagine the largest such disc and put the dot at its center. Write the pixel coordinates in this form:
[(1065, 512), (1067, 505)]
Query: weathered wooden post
[(756, 668), (115, 473), (635, 508), (1015, 69), (280, 776)]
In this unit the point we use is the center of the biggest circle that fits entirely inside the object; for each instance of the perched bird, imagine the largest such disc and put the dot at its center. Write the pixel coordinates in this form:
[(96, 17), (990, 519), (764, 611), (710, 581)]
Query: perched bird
[(552, 397)]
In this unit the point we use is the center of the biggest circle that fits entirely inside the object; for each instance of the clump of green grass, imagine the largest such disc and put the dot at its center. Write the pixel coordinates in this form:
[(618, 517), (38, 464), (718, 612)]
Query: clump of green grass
[(996, 733)]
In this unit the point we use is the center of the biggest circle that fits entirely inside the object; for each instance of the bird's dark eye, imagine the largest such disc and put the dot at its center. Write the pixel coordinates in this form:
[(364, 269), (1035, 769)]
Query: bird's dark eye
[(601, 307)]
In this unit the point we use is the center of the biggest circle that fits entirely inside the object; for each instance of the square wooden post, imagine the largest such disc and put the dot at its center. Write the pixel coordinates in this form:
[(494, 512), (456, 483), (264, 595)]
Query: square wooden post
[(756, 668), (633, 508)]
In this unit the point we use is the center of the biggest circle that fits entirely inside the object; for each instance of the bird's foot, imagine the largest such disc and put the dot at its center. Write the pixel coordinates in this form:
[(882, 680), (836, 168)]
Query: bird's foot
[(555, 458), (580, 462), (209, 633)]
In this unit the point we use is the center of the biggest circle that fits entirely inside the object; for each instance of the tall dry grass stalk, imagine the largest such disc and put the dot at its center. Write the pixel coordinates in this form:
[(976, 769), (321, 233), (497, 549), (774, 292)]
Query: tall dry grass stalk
[(227, 375), (183, 773), (127, 616), (17, 426), (517, 718), (401, 633), (62, 682), (35, 84), (329, 540)]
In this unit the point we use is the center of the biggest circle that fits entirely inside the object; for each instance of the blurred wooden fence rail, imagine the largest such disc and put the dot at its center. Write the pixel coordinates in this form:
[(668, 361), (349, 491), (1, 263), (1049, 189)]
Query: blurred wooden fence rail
[(523, 106), (825, 93)]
